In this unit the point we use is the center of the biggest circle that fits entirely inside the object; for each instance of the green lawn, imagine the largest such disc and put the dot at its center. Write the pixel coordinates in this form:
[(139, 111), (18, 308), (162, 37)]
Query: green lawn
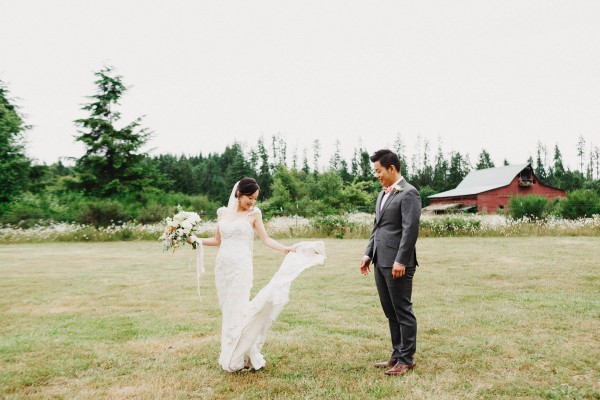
[(498, 318)]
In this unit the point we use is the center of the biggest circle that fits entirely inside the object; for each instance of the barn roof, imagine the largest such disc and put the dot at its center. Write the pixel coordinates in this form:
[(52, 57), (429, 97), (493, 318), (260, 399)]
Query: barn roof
[(483, 180)]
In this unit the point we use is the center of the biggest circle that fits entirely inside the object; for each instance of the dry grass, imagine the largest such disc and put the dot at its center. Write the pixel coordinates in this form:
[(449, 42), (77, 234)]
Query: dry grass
[(498, 318)]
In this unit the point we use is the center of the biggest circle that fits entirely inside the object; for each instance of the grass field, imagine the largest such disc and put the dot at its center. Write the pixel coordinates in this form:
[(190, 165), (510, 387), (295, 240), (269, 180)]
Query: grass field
[(507, 318)]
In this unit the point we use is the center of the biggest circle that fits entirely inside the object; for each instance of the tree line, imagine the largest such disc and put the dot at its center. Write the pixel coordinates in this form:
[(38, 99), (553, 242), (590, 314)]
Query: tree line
[(116, 180)]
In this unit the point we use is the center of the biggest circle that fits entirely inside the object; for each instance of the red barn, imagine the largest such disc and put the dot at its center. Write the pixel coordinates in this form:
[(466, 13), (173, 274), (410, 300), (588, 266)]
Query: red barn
[(489, 189)]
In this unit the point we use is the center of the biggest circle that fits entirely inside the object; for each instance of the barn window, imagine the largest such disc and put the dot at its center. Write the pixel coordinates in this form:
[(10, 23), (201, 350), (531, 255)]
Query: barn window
[(526, 177)]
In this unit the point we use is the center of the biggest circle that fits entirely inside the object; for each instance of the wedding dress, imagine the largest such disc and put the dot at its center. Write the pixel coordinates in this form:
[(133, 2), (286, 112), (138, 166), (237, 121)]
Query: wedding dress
[(246, 322)]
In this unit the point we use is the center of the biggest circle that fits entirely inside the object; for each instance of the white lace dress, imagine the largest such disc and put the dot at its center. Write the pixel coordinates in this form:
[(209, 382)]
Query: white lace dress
[(245, 322)]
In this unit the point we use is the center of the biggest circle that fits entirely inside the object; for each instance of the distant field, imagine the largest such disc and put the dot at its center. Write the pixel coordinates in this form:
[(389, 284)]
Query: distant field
[(507, 318)]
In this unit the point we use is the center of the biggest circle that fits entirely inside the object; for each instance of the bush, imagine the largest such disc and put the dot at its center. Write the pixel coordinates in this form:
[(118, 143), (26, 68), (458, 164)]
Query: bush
[(103, 212), (154, 206), (580, 204), (332, 225), (425, 192), (34, 209), (449, 226), (152, 213), (533, 207)]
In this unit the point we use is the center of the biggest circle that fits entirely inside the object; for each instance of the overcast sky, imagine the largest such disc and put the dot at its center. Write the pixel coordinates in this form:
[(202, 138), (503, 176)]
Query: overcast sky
[(500, 75)]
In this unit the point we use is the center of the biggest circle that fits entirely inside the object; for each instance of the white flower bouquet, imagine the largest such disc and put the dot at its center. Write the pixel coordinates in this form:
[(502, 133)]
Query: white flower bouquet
[(179, 229)]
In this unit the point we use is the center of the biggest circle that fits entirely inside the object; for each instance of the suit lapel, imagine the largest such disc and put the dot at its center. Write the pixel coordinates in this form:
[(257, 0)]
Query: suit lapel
[(387, 203), (392, 196), (378, 205)]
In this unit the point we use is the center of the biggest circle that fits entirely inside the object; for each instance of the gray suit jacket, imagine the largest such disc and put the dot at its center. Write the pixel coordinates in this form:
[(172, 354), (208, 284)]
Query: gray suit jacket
[(396, 228)]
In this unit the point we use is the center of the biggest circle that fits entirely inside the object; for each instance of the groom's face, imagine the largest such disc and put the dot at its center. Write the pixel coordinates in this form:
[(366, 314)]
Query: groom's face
[(384, 175)]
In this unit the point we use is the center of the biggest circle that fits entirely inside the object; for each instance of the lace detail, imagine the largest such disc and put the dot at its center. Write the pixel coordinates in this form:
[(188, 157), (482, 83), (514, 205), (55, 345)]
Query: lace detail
[(245, 322)]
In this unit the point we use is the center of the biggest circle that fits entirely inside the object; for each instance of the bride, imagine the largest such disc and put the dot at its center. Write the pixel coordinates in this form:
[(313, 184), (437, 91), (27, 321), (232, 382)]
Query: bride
[(245, 322)]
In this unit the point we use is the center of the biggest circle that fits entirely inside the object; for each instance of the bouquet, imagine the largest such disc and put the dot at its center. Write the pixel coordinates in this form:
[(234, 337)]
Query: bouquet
[(179, 229)]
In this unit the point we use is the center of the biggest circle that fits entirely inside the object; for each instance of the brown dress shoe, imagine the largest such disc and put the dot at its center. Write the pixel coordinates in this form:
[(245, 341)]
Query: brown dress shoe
[(400, 369), (386, 364)]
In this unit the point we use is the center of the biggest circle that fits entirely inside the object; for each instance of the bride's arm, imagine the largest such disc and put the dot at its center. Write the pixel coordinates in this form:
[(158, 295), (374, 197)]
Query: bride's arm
[(264, 236), (213, 241)]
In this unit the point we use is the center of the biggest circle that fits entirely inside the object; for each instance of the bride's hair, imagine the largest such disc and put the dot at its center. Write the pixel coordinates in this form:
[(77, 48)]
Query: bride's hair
[(247, 187)]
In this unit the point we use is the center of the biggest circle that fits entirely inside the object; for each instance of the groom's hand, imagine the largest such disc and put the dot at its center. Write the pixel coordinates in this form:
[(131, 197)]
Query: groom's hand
[(398, 270), (365, 265)]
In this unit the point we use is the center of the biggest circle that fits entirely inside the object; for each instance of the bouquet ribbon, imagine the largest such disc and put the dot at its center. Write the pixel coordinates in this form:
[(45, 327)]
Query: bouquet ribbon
[(199, 265)]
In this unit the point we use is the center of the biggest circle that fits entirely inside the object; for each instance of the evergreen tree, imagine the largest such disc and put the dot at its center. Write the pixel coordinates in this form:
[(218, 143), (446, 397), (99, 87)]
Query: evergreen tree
[(366, 170), (336, 158), (344, 173), (459, 168), (316, 155), (113, 161), (234, 165), (400, 149), (254, 162), (581, 151), (355, 163), (14, 165), (264, 177), (540, 170), (295, 159), (425, 176), (305, 167), (596, 161), (484, 161), (415, 167), (440, 172), (558, 170)]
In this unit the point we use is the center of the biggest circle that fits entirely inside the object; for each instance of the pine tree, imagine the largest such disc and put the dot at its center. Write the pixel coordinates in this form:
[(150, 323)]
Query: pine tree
[(484, 161), (581, 151), (264, 177), (440, 171), (458, 169), (14, 164), (316, 155), (540, 170), (305, 167), (113, 161), (336, 158), (400, 148)]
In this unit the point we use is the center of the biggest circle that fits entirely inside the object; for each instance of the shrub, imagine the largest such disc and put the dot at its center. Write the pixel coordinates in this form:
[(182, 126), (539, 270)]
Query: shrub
[(449, 226), (425, 192), (331, 225), (102, 212), (152, 213), (533, 207), (580, 204), (32, 209)]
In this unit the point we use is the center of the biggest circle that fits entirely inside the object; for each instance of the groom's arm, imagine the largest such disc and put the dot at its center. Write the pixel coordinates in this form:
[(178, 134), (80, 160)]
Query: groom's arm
[(366, 261), (411, 212), (369, 250)]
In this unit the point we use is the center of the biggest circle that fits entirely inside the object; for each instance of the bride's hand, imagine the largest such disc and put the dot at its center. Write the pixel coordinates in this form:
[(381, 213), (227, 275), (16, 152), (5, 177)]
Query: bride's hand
[(191, 239), (289, 249)]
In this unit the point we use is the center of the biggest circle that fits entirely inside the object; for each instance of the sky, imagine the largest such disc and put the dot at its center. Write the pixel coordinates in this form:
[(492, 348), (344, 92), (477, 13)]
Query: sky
[(466, 74)]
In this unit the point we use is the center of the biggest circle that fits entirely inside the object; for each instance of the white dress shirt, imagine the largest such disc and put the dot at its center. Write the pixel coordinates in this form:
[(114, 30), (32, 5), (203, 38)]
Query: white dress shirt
[(386, 195)]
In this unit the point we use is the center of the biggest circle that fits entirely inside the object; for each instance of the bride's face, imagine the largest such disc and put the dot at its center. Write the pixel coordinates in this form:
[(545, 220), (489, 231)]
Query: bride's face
[(246, 202)]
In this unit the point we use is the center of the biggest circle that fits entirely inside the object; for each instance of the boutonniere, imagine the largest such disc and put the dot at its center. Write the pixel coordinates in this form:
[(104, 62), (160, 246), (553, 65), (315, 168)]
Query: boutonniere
[(393, 189)]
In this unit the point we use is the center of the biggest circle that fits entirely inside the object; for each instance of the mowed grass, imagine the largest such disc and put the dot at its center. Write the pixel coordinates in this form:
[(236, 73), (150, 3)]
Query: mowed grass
[(498, 318)]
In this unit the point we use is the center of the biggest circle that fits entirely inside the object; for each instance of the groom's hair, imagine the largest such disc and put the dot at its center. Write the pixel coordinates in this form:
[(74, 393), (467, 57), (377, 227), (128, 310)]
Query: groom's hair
[(386, 158)]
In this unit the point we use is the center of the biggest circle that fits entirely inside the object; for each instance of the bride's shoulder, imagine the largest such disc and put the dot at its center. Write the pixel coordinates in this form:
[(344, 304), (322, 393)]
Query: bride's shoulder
[(256, 211), (221, 212)]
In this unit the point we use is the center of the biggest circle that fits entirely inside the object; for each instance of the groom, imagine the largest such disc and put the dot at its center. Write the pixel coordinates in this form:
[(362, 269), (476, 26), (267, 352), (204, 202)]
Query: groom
[(392, 250)]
